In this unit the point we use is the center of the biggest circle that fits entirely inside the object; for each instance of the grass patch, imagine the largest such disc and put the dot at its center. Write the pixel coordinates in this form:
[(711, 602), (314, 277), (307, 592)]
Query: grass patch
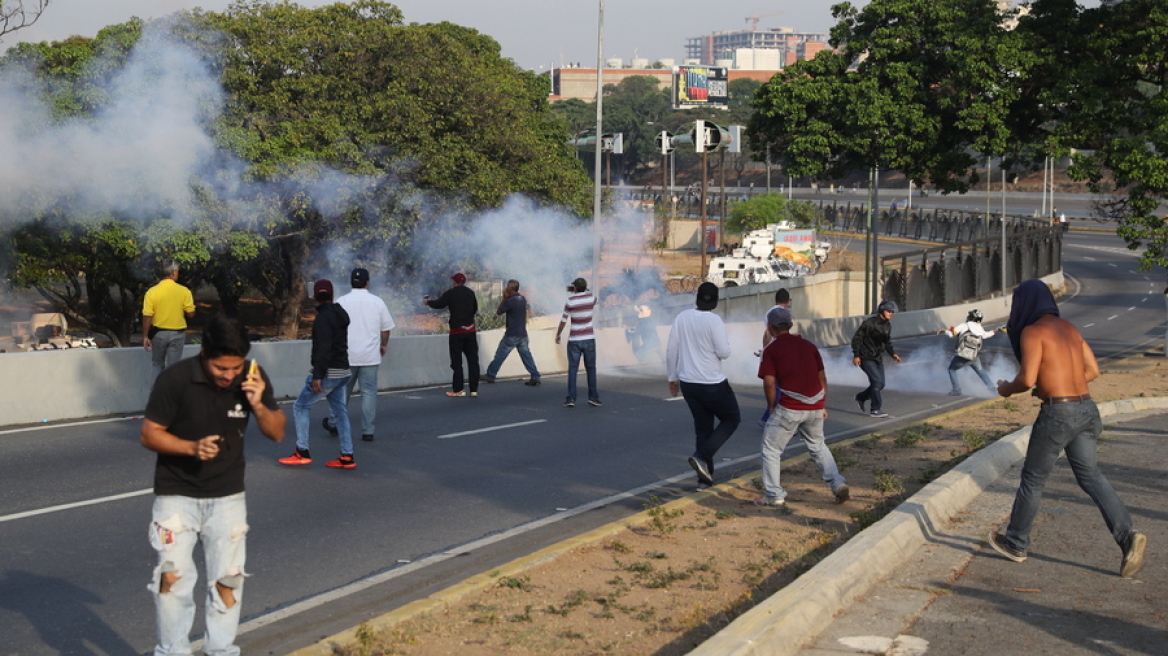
[(888, 483)]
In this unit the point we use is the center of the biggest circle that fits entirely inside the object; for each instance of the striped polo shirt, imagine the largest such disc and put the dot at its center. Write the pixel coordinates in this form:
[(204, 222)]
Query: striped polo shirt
[(578, 311)]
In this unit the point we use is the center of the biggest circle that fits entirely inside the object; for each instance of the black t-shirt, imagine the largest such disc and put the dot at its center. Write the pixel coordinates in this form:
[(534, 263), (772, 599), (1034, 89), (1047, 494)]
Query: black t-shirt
[(191, 407)]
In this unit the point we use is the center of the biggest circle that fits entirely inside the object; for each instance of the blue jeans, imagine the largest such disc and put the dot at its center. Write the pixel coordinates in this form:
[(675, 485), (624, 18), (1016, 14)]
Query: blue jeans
[(505, 347), (957, 364), (1074, 428), (178, 524), (366, 376), (166, 348), (706, 403), (335, 390), (874, 369), (781, 427), (587, 348)]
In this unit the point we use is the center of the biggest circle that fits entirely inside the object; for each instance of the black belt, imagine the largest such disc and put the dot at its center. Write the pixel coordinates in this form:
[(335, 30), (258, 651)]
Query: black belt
[(1051, 400)]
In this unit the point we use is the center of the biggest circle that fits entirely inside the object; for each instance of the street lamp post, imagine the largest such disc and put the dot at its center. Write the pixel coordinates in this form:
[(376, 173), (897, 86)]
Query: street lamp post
[(599, 131)]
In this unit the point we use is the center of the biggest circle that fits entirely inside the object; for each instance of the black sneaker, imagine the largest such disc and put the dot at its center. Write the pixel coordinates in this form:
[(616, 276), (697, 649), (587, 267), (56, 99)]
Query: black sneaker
[(955, 392), (1133, 554), (998, 542), (332, 430), (703, 473), (489, 379), (878, 414), (595, 402), (532, 383), (367, 437), (569, 403), (863, 407)]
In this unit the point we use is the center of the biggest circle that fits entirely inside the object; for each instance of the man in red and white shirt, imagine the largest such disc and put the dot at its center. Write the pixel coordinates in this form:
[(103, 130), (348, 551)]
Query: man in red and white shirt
[(796, 391), (581, 340)]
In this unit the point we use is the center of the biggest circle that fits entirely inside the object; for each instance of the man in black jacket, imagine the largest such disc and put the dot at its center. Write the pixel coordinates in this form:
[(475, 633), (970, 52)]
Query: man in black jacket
[(328, 379), (463, 339), (871, 341)]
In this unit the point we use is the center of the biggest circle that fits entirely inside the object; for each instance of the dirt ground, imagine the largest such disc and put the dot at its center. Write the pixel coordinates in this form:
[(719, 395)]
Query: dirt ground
[(682, 571)]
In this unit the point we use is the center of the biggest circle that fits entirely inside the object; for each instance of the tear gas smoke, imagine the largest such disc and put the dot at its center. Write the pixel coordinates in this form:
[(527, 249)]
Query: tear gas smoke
[(136, 156)]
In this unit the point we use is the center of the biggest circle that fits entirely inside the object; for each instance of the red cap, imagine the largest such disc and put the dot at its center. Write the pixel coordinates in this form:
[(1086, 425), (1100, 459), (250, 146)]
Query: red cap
[(322, 286), (459, 278)]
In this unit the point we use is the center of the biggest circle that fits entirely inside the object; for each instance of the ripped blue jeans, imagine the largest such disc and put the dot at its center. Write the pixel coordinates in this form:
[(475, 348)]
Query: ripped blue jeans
[(178, 524)]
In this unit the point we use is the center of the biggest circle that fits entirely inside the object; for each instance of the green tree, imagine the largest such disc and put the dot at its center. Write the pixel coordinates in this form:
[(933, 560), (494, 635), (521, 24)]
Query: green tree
[(348, 86), (758, 211), (1103, 80), (931, 80)]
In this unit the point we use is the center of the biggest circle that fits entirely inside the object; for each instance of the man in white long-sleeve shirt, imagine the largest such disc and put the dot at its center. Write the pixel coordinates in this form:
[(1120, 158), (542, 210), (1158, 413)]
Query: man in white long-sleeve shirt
[(697, 345), (970, 336)]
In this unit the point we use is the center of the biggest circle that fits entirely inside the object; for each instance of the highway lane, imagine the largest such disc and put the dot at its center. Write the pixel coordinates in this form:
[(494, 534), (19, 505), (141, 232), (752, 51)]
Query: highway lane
[(74, 579)]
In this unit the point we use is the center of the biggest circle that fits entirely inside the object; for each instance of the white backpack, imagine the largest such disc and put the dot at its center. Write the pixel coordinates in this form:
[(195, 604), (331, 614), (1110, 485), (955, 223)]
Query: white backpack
[(968, 345)]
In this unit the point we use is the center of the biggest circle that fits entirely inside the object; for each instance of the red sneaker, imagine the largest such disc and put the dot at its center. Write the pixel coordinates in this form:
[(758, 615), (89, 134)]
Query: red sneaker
[(298, 458), (344, 461)]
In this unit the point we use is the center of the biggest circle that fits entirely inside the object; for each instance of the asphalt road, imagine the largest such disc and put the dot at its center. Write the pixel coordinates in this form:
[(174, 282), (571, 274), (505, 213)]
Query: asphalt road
[(451, 487)]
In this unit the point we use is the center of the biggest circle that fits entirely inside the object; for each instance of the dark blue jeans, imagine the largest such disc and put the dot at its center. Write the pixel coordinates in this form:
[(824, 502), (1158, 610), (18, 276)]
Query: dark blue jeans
[(874, 369), (1074, 428), (465, 344), (587, 349), (506, 345), (706, 403)]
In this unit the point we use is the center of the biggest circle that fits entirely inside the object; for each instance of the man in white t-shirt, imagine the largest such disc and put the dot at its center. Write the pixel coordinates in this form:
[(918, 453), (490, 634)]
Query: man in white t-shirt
[(369, 328), (693, 361)]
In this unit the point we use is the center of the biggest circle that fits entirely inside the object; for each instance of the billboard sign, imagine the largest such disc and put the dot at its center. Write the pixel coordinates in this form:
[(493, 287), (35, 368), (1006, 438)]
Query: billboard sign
[(699, 86)]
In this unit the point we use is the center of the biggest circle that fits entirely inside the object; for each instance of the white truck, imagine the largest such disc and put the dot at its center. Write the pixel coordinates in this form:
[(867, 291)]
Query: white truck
[(777, 252)]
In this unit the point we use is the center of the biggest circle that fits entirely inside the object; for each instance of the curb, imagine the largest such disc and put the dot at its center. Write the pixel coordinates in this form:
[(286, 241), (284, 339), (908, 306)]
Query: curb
[(784, 622)]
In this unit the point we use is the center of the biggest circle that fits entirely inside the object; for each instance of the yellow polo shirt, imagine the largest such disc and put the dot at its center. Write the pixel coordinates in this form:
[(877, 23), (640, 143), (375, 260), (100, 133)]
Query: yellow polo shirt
[(168, 302)]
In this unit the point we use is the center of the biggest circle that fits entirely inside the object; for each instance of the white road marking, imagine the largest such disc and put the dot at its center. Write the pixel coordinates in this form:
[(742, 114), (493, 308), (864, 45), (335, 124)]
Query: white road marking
[(1089, 325), (674, 398), (1112, 317), (77, 504), (1088, 258), (48, 426), (492, 428), (1112, 264), (1132, 307)]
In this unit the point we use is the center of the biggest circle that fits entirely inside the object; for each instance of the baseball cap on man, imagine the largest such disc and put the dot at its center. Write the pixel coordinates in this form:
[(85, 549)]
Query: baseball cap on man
[(359, 277), (322, 286), (778, 316), (707, 296), (459, 277)]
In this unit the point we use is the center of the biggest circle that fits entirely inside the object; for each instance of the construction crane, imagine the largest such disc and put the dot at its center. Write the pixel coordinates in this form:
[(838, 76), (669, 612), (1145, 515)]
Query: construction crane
[(755, 17)]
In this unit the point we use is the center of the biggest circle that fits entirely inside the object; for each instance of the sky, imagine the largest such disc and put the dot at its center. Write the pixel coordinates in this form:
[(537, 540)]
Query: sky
[(537, 34)]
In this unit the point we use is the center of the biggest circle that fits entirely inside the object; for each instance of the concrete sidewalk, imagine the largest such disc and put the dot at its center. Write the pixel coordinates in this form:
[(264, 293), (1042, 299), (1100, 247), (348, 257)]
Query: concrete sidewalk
[(955, 595)]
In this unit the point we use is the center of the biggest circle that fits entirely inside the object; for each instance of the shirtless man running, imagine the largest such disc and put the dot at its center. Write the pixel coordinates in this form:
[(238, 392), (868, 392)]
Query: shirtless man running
[(1056, 365)]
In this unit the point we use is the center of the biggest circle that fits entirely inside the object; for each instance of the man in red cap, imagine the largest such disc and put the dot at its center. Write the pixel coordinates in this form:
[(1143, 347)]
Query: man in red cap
[(463, 306), (328, 379)]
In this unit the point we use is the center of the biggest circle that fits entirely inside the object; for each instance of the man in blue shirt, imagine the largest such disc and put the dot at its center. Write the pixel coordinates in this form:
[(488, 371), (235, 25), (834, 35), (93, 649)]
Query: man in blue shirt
[(514, 305)]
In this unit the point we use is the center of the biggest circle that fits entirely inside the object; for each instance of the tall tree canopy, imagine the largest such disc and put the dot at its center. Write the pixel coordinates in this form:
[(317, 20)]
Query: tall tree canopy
[(348, 126), (911, 85)]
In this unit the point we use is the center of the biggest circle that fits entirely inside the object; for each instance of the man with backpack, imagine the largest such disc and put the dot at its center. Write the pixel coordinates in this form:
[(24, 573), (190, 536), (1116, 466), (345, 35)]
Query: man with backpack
[(967, 353)]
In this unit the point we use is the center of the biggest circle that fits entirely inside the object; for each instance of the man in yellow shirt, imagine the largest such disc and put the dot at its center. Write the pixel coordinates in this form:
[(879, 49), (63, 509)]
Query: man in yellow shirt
[(165, 311)]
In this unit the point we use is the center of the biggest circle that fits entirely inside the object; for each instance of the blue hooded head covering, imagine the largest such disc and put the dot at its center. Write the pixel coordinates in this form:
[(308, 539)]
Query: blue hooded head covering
[(1032, 299)]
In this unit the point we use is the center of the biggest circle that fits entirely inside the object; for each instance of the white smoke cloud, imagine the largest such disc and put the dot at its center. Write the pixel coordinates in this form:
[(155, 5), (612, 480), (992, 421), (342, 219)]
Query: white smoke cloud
[(135, 156)]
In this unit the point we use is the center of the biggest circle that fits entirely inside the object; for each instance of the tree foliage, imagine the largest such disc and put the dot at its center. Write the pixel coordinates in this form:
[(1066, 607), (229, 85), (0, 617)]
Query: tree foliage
[(351, 127), (931, 79), (758, 211)]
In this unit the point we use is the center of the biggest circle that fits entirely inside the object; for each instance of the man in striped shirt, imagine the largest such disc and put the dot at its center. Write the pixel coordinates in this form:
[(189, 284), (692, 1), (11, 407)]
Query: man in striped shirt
[(581, 340)]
